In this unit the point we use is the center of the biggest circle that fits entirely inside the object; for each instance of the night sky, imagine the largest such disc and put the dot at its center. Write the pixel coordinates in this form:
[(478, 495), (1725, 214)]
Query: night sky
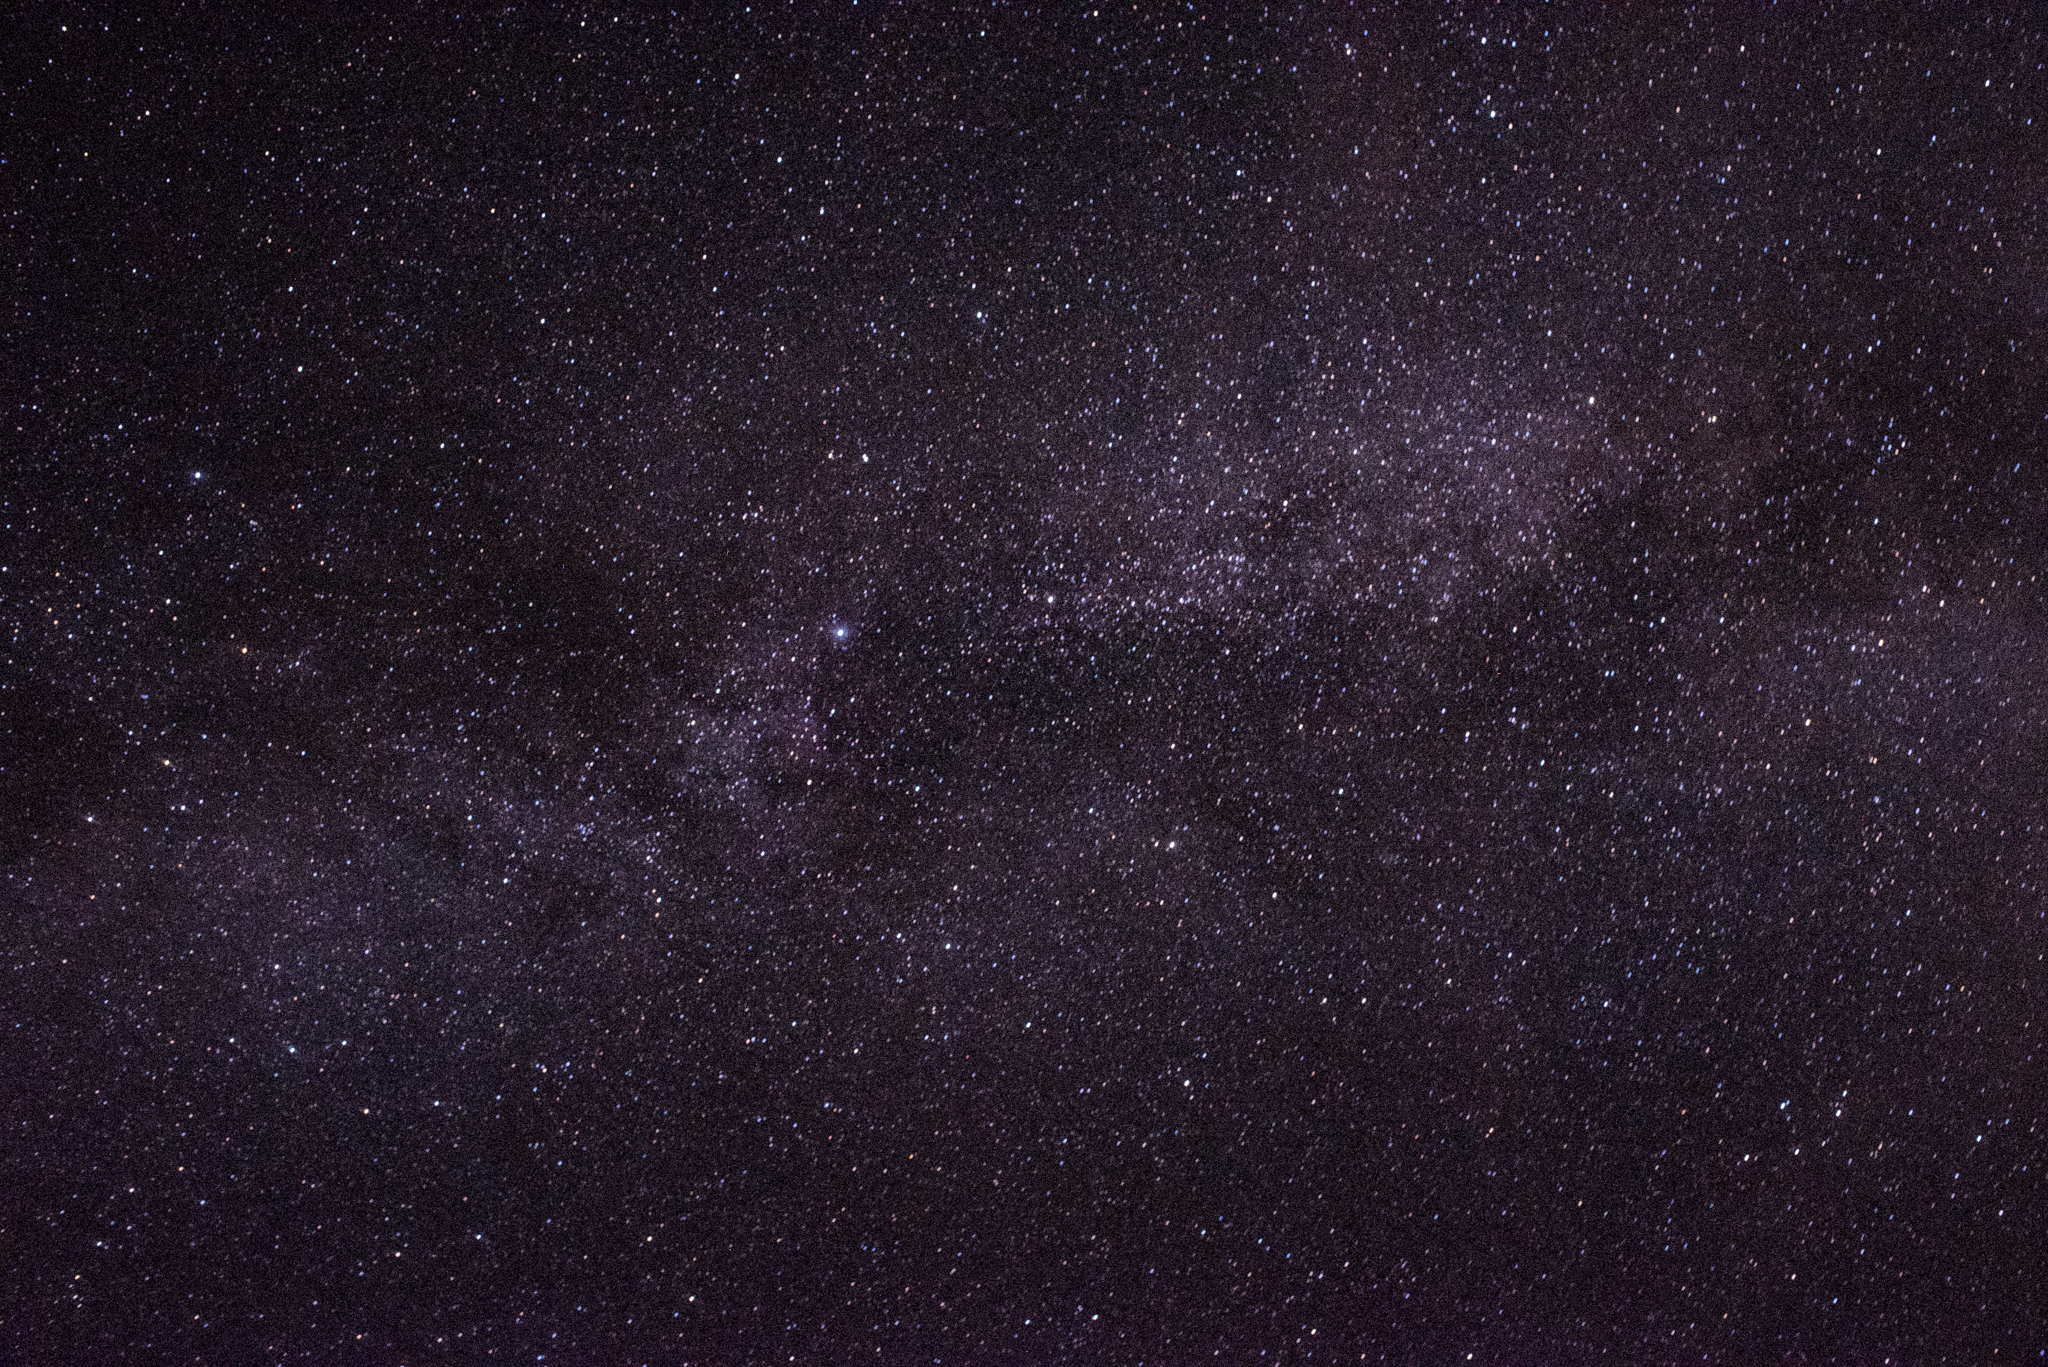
[(986, 686)]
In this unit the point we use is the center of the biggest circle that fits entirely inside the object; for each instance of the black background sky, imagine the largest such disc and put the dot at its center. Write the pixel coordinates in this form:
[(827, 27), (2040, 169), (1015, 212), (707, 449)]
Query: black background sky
[(1000, 686)]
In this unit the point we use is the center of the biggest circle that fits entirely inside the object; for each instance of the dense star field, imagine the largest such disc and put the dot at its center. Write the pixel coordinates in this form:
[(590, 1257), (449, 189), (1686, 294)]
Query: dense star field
[(983, 686)]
